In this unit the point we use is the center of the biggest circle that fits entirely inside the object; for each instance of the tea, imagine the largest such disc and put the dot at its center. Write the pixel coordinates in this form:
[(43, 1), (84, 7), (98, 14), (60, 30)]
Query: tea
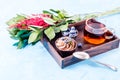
[(94, 32)]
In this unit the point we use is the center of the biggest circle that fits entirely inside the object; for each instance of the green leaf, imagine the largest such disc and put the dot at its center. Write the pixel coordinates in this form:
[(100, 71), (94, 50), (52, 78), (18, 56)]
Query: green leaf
[(47, 12), (33, 36), (61, 15), (56, 18), (40, 35), (75, 18), (33, 43), (90, 16), (70, 21), (55, 11), (38, 38), (20, 33), (64, 27), (26, 35), (13, 37), (57, 29), (49, 20), (15, 44), (20, 44), (14, 20), (50, 33), (25, 42), (64, 13), (61, 23), (35, 28), (13, 31)]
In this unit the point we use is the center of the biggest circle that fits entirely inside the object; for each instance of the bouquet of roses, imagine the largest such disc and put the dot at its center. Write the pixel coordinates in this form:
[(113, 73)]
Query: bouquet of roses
[(29, 29)]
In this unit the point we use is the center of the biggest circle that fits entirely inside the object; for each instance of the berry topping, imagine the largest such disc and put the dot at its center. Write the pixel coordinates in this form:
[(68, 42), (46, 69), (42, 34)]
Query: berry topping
[(79, 45)]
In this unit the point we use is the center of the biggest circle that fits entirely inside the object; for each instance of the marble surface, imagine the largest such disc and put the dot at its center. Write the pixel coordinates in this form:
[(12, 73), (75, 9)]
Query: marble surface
[(35, 62)]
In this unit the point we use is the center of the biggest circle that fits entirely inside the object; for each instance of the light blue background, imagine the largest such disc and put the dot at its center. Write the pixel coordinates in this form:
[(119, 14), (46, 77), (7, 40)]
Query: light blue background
[(35, 62)]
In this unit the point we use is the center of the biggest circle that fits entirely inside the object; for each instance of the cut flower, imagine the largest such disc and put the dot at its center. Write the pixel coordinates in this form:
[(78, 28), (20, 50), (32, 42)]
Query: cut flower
[(29, 29)]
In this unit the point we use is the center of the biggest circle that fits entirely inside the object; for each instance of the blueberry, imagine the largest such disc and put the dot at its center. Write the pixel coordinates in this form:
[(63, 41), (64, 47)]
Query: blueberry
[(72, 31), (62, 39), (79, 45), (68, 30), (65, 33), (71, 35), (73, 28), (67, 40)]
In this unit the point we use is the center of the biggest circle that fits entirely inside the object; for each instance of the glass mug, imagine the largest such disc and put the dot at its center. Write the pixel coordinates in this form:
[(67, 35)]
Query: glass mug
[(96, 32)]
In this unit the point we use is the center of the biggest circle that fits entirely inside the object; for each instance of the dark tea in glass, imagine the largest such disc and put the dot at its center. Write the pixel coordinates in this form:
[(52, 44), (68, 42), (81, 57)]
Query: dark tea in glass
[(94, 32)]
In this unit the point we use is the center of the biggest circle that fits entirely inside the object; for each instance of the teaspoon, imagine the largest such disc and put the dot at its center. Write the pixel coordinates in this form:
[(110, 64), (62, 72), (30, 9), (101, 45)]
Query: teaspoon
[(84, 55)]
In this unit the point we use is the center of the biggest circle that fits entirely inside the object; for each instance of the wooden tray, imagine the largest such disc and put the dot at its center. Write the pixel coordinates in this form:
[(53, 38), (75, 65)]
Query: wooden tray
[(68, 59)]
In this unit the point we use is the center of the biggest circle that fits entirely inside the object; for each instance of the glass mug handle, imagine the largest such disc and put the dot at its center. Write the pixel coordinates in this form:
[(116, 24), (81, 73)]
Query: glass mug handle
[(109, 34)]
